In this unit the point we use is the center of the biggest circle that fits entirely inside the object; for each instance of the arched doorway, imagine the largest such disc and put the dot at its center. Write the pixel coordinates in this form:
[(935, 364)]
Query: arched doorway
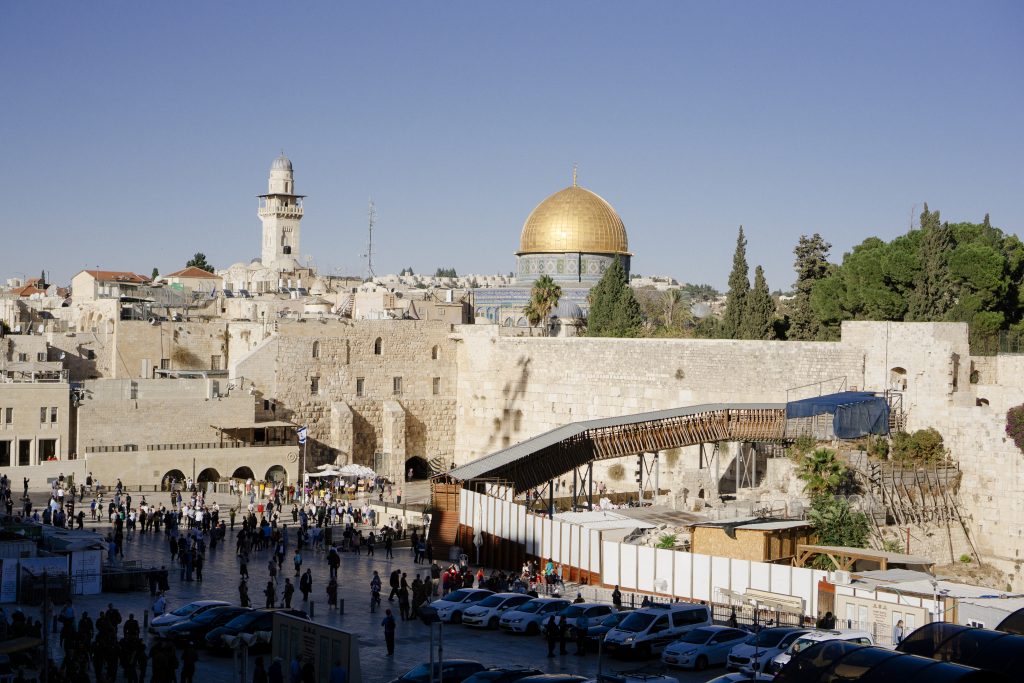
[(419, 467), (243, 473), (898, 379), (209, 474), (276, 474), (172, 479)]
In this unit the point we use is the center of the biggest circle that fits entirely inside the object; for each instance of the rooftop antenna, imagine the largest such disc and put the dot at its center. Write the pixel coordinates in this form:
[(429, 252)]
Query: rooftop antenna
[(371, 215), (575, 170)]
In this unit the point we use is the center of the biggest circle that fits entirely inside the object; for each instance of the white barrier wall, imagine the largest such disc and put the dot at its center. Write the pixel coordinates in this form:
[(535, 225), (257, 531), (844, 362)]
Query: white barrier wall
[(653, 570)]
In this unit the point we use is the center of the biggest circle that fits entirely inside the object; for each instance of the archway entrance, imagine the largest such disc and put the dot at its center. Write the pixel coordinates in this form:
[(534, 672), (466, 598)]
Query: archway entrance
[(243, 473), (209, 474), (172, 479), (277, 474), (419, 467)]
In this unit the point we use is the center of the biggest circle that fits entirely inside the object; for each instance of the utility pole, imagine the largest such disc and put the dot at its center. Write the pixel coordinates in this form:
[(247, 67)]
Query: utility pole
[(372, 219)]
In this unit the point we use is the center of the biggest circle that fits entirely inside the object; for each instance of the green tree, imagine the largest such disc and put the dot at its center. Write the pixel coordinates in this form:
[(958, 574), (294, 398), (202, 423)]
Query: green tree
[(811, 266), (758, 323), (155, 274), (544, 298), (821, 471), (445, 272), (739, 287), (614, 310), (835, 523), (933, 294), (199, 261)]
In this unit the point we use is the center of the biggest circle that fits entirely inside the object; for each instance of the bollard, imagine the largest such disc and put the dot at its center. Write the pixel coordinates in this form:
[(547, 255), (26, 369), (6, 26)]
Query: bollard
[(341, 605), (312, 609)]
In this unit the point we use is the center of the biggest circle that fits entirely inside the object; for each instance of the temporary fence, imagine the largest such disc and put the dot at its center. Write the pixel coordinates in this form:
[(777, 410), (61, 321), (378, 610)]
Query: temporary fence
[(582, 552)]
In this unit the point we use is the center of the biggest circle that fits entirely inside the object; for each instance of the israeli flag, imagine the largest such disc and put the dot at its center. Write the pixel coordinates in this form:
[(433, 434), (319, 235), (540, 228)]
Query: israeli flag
[(301, 431)]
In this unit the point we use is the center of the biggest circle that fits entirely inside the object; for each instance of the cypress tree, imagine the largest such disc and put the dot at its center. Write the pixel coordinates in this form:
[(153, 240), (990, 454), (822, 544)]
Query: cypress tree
[(759, 320), (932, 295), (811, 265), (739, 287), (614, 311)]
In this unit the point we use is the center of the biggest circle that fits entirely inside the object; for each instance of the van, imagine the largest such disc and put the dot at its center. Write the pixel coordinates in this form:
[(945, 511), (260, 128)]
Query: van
[(813, 638), (647, 631)]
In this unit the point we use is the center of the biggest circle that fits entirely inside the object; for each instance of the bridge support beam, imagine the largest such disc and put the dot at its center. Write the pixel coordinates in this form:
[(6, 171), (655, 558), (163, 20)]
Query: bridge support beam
[(583, 486), (647, 476)]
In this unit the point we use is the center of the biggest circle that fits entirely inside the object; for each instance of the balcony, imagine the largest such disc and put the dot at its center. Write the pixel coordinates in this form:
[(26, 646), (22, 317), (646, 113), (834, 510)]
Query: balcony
[(275, 207)]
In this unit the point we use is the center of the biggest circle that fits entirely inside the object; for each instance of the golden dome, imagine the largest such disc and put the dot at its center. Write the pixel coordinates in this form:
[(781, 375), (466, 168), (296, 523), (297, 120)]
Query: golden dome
[(574, 220)]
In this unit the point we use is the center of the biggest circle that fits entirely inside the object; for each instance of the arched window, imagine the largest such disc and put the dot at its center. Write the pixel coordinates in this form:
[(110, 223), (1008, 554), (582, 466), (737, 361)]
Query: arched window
[(377, 345), (981, 402), (898, 379), (435, 353), (316, 349)]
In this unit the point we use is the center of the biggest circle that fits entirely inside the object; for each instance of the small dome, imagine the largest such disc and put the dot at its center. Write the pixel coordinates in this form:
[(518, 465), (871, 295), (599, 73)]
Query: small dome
[(566, 310), (574, 220), (282, 163)]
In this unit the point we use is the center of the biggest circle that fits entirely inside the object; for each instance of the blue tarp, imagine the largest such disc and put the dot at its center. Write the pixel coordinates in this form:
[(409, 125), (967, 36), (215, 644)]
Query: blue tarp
[(855, 413)]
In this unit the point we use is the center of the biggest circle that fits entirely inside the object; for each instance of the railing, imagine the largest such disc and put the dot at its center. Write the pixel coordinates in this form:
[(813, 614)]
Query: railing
[(192, 446), (34, 377)]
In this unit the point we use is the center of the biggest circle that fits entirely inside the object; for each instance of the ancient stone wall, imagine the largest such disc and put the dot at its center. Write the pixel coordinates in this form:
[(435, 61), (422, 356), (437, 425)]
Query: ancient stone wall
[(183, 345)]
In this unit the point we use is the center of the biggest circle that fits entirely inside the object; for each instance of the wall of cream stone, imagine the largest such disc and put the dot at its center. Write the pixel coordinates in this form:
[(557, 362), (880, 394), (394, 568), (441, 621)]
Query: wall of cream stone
[(187, 345), (87, 355), (149, 467), (25, 401)]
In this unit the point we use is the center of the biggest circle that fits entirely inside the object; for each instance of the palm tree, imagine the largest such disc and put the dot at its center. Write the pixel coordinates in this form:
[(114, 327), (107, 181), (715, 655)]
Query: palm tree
[(821, 471), (543, 299), (670, 301)]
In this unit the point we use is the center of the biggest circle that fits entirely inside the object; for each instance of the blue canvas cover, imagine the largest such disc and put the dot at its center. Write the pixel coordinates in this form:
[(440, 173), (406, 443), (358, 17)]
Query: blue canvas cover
[(855, 413)]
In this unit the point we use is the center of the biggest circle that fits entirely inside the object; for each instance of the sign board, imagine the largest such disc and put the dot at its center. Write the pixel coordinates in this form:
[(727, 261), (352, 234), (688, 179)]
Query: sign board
[(54, 566), (324, 646), (8, 580), (87, 572)]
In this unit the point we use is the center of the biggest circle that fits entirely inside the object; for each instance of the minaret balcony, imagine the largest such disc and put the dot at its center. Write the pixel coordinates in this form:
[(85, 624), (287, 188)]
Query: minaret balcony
[(280, 210)]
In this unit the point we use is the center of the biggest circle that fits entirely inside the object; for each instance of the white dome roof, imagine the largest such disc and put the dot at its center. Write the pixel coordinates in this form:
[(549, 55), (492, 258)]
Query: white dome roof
[(282, 163)]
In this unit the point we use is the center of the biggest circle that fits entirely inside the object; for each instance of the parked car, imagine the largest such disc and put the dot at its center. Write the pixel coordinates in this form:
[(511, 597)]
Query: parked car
[(740, 677), (488, 611), (812, 638), (451, 607), (596, 632), (248, 623), (194, 630), (647, 631), (596, 612), (756, 653), (530, 617), (451, 671), (186, 611), (502, 674), (703, 647), (553, 678), (633, 677)]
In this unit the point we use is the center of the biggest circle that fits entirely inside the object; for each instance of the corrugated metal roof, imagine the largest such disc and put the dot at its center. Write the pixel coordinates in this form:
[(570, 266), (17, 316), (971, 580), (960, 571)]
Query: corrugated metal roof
[(489, 463)]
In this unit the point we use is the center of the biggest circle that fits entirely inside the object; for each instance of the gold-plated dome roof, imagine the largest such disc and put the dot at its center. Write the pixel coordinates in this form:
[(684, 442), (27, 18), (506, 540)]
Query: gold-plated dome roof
[(574, 220)]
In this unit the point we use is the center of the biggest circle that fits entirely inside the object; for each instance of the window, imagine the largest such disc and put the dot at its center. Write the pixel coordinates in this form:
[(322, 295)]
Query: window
[(42, 415), (266, 404), (41, 356), (377, 345), (165, 363), (8, 415), (360, 387), (396, 386), (47, 449), (215, 363), (24, 452), (660, 625), (436, 386), (314, 385), (23, 357), (435, 353), (5, 453), (316, 349), (53, 414)]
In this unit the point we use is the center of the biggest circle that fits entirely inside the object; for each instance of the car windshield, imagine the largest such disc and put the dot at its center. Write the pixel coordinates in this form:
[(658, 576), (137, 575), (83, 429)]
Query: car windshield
[(636, 622), (185, 610), (614, 619), (243, 620), (492, 601), (769, 638), (458, 596), (571, 612), (801, 644), (210, 615), (697, 636), (420, 673), (530, 607)]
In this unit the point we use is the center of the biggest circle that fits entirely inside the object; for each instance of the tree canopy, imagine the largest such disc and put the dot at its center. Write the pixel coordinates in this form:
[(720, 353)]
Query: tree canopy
[(811, 265), (614, 310), (544, 296), (739, 286), (199, 261)]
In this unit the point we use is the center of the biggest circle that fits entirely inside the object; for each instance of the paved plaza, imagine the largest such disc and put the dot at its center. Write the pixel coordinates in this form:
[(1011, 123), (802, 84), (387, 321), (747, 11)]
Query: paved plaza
[(221, 579)]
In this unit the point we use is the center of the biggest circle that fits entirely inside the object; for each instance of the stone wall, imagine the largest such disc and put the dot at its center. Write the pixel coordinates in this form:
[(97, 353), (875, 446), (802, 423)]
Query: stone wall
[(30, 429), (185, 345), (87, 355)]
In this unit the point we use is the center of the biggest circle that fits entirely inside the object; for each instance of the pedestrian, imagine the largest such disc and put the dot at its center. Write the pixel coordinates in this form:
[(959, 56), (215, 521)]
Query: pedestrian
[(389, 631), (563, 635), (617, 598), (259, 674), (551, 633), (898, 633), (243, 593), (732, 622), (306, 585), (297, 560), (189, 657), (271, 592), (289, 590), (582, 626), (332, 593), (393, 580)]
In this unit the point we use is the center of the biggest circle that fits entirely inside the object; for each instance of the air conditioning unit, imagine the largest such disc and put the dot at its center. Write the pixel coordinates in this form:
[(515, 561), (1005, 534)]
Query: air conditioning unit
[(839, 577)]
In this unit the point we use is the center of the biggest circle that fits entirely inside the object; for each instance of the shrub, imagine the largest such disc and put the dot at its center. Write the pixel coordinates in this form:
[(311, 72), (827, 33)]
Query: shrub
[(617, 472), (821, 471), (965, 558), (835, 523), (1015, 425), (878, 448), (801, 447), (891, 545), (923, 446), (667, 541)]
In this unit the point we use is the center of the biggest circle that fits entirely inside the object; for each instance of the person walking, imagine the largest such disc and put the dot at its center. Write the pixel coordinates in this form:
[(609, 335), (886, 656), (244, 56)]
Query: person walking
[(898, 633), (289, 590), (189, 657), (375, 591), (563, 635), (388, 545), (582, 626), (388, 623), (297, 561), (243, 593), (617, 598), (259, 673), (306, 585), (271, 592), (393, 580), (551, 633), (332, 594)]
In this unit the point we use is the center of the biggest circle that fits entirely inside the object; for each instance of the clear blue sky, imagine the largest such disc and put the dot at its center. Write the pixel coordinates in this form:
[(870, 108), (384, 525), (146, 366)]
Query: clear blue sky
[(135, 134)]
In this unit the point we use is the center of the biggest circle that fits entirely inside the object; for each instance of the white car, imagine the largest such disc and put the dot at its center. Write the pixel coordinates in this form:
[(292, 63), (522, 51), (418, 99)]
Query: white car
[(813, 638), (168, 619), (594, 611), (739, 677), (703, 647), (531, 616), (759, 651), (488, 611), (451, 607)]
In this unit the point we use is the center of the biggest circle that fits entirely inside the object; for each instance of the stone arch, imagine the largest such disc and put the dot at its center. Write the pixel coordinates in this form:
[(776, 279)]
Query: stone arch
[(898, 379), (378, 346), (419, 466), (981, 402), (209, 474), (316, 349), (171, 478), (508, 322), (435, 352), (243, 473), (277, 473)]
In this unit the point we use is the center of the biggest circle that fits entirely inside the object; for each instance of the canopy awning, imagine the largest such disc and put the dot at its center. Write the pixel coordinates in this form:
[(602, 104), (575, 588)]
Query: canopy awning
[(257, 425)]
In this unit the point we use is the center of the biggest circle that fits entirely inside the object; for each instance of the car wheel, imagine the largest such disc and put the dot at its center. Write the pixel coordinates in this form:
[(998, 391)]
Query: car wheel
[(456, 617), (701, 663), (493, 623), (532, 629)]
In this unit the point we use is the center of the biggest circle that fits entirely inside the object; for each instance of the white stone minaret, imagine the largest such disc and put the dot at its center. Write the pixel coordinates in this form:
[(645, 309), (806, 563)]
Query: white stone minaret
[(281, 212)]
